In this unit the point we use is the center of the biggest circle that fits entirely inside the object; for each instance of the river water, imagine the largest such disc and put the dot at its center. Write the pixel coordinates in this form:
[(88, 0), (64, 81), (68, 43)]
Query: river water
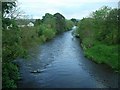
[(61, 64)]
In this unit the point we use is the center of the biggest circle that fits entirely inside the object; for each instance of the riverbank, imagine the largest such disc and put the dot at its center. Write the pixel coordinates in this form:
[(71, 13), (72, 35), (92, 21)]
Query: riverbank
[(99, 37), (103, 54), (18, 40), (28, 39)]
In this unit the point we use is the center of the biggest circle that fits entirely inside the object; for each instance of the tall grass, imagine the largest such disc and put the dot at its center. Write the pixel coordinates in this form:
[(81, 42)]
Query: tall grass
[(102, 53)]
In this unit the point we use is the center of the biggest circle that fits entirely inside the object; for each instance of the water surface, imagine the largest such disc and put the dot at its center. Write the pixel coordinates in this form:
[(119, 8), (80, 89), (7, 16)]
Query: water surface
[(62, 64)]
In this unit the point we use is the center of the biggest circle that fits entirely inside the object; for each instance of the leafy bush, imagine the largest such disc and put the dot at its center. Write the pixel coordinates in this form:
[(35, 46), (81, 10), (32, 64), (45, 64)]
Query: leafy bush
[(102, 53), (43, 38), (10, 75), (69, 24), (48, 33)]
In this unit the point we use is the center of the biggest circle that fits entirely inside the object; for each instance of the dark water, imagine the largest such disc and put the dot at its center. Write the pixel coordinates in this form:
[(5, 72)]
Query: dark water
[(62, 65)]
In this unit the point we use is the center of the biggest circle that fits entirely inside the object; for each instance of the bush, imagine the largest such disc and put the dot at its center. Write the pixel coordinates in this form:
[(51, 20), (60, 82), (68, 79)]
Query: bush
[(104, 54), (43, 38), (48, 33), (9, 53), (69, 25), (10, 75), (88, 42)]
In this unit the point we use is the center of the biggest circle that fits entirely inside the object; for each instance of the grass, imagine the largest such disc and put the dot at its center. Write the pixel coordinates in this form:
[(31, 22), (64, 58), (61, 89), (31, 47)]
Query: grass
[(102, 53)]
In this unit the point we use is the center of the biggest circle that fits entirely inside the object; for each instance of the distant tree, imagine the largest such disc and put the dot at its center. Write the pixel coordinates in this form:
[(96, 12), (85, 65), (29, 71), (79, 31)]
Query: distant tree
[(69, 24), (38, 22), (49, 20), (74, 21), (60, 22)]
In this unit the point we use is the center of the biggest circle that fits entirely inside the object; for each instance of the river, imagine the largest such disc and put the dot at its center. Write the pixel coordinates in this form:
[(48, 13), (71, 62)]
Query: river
[(61, 64)]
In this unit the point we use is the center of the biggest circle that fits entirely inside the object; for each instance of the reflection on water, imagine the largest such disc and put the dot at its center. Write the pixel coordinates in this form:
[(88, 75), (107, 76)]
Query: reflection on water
[(61, 64)]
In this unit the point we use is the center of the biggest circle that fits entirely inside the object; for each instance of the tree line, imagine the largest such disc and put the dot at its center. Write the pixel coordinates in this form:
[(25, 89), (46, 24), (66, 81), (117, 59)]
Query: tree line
[(99, 36)]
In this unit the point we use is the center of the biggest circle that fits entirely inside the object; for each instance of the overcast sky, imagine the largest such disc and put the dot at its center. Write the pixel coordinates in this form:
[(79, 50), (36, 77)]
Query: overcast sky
[(68, 8)]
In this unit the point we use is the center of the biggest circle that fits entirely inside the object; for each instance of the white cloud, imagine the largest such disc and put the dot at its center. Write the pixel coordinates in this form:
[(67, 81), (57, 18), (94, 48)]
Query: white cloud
[(67, 1), (60, 3), (69, 8)]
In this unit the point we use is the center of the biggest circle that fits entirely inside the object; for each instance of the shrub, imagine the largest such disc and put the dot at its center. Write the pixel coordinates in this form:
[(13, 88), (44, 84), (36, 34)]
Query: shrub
[(104, 54), (48, 33), (10, 75)]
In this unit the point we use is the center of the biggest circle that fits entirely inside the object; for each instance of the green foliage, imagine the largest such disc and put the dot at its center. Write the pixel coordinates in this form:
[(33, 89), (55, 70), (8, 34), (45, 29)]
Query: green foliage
[(38, 22), (10, 75), (48, 33), (7, 6), (49, 21), (60, 23), (74, 21), (99, 36), (102, 53), (29, 37), (11, 52), (43, 38), (85, 28), (112, 27), (41, 29), (69, 24), (16, 41), (11, 47), (88, 42)]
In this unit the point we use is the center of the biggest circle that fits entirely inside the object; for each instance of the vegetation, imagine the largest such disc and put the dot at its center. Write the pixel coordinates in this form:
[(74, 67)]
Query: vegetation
[(74, 21), (69, 24), (60, 23), (99, 36), (17, 40), (11, 47)]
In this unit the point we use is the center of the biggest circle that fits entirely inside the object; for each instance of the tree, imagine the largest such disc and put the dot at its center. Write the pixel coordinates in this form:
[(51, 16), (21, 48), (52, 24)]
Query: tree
[(86, 31), (10, 12), (38, 22), (111, 34), (49, 20), (60, 22), (74, 21), (6, 7), (10, 47), (99, 17), (69, 24)]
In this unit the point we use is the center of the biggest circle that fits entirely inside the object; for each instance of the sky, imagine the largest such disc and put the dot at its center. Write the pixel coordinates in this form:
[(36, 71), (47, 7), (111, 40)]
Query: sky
[(68, 8)]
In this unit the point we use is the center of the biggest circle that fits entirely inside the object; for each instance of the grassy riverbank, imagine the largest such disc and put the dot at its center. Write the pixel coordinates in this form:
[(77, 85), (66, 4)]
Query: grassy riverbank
[(99, 37), (102, 53)]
